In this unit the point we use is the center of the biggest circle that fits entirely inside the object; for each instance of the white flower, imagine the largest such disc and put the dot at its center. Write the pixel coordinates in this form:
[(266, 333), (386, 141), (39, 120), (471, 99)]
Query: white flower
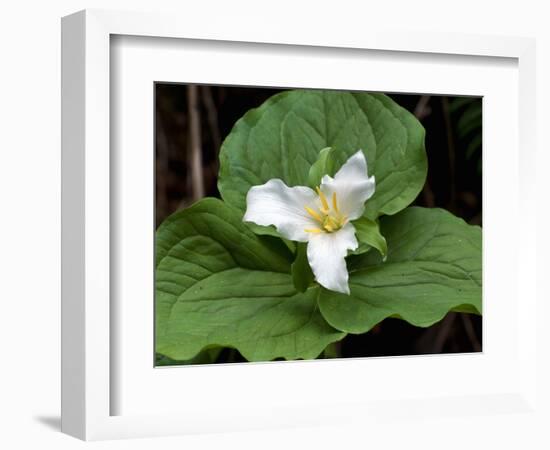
[(322, 218)]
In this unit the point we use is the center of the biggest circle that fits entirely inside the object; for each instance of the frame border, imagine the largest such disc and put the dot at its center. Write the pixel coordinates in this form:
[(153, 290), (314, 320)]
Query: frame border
[(86, 184)]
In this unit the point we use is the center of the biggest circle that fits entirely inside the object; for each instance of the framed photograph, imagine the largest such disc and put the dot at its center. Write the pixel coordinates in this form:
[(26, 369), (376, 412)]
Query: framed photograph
[(337, 229), (264, 229)]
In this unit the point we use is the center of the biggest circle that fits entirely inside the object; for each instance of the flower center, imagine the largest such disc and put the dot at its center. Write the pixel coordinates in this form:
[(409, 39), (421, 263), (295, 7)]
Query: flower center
[(329, 219)]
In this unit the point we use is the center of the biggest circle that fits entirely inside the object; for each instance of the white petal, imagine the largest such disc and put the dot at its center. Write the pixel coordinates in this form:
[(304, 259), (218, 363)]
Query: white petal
[(352, 185), (274, 203), (326, 253)]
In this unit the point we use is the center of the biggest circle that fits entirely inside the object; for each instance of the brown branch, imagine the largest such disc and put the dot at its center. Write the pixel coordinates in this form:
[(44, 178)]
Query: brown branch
[(428, 195), (212, 116), (197, 179), (161, 194), (470, 332), (450, 149), (445, 327), (421, 111)]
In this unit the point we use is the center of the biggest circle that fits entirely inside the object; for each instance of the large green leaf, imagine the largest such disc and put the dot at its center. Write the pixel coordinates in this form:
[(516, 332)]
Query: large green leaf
[(433, 267), (219, 284), (283, 137), (206, 356)]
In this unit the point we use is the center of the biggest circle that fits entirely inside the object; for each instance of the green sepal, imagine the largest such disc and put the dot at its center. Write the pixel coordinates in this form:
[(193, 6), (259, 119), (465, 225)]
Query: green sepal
[(368, 235), (323, 166)]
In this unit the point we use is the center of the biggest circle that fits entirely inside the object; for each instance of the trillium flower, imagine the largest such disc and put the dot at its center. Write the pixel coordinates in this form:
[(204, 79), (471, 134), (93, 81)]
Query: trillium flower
[(322, 218)]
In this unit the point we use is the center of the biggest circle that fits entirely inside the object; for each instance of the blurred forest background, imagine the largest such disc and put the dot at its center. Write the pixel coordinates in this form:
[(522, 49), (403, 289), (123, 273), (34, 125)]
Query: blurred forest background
[(190, 125)]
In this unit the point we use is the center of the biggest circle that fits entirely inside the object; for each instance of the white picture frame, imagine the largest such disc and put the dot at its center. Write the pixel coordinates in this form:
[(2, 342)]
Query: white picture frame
[(89, 384)]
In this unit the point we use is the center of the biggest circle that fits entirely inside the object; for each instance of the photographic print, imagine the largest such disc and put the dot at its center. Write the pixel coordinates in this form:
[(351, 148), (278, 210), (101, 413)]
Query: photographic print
[(302, 224)]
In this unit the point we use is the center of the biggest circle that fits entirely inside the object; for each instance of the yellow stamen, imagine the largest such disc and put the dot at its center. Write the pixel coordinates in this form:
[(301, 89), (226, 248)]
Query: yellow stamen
[(313, 230), (330, 224), (314, 214), (334, 203), (326, 208), (330, 220)]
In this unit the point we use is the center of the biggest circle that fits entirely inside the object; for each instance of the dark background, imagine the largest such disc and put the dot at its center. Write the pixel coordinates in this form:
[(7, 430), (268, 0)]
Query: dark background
[(193, 116)]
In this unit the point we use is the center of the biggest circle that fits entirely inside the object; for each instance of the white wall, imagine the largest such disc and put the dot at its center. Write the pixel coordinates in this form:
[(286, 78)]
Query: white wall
[(30, 193)]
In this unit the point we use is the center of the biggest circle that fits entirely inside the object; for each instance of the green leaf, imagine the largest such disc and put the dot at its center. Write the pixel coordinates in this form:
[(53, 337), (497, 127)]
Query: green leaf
[(433, 267), (470, 120), (323, 166), (457, 103), (206, 356), (368, 233), (302, 276), (284, 136), (219, 284), (473, 146)]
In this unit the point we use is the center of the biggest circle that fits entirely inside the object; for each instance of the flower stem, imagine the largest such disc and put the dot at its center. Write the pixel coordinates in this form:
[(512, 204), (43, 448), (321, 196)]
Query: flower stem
[(333, 350)]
